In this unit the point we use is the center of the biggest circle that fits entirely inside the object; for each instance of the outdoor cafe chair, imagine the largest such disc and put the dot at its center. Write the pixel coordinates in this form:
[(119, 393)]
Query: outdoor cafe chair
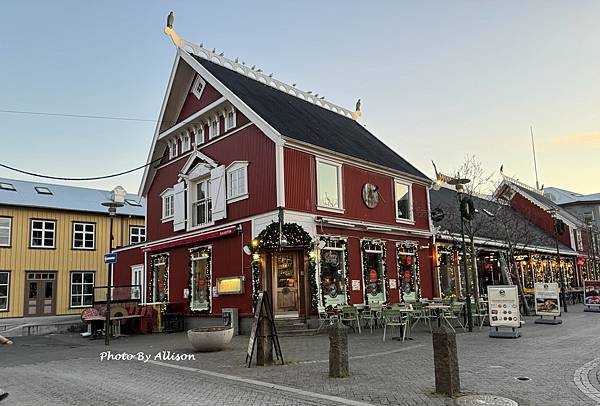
[(454, 313), (392, 318), (421, 312), (371, 315), (350, 315), (325, 319)]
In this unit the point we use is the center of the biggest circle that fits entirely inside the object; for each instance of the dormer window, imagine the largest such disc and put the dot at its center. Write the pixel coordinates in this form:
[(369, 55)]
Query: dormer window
[(43, 190), (185, 142), (200, 135), (230, 120), (7, 186), (198, 86), (214, 127), (172, 148)]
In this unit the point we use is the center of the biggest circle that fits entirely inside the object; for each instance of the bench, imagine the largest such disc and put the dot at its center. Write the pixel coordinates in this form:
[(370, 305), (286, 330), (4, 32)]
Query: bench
[(142, 318)]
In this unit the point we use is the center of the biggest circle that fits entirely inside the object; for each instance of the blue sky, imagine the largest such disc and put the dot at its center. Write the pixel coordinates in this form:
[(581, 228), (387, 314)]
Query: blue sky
[(437, 79)]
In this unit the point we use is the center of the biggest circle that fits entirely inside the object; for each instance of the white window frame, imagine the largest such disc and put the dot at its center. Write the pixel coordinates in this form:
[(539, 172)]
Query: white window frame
[(230, 170), (226, 121), (579, 240), (9, 228), (43, 230), (192, 189), (340, 208), (193, 258), (138, 234), (198, 81), (81, 305), (199, 135), (165, 196), (137, 270), (212, 132), (84, 234), (411, 218), (5, 309), (185, 142), (173, 148)]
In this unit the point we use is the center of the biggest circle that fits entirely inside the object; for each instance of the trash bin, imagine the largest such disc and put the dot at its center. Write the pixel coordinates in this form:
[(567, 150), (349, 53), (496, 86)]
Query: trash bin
[(231, 318)]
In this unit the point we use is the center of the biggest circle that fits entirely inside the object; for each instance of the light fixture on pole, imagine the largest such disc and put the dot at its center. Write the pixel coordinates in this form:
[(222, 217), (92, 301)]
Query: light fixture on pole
[(559, 229), (117, 199), (466, 213)]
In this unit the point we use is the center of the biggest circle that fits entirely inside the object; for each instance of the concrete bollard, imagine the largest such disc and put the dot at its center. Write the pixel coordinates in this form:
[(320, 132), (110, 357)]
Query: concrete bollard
[(445, 359), (338, 351), (264, 344)]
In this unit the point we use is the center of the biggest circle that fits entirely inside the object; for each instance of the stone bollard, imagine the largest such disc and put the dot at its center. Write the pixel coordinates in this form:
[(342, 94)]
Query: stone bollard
[(445, 359), (338, 351), (264, 344)]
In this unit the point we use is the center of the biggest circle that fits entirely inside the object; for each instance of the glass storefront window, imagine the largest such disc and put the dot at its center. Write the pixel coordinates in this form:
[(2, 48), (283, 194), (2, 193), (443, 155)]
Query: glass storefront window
[(200, 281), (160, 281), (333, 276), (407, 276), (447, 272), (374, 276)]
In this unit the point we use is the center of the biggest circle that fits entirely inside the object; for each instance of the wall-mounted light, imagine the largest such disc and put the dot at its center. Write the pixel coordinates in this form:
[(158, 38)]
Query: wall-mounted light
[(247, 250)]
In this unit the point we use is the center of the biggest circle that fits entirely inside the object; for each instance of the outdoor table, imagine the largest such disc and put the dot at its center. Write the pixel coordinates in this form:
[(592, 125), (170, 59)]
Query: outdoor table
[(408, 327), (437, 309)]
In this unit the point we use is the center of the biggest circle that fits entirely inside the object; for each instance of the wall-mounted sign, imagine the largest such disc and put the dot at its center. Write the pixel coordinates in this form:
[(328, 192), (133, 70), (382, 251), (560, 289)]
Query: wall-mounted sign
[(547, 302), (355, 284), (370, 195), (392, 283), (231, 285), (504, 306)]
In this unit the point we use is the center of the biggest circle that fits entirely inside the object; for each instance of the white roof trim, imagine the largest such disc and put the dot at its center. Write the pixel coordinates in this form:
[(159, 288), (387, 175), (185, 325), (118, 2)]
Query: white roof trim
[(193, 156)]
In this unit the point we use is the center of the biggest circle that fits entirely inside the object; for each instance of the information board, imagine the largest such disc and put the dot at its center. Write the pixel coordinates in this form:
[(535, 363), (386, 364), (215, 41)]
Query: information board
[(547, 299), (504, 306), (591, 293)]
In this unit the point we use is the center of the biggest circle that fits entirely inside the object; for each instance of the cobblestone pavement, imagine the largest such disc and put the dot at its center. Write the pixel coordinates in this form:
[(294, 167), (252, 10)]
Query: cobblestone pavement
[(561, 363)]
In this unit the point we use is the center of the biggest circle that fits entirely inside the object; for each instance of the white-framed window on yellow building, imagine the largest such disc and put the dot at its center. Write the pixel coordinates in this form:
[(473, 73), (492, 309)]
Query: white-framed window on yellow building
[(82, 288), (4, 288), (43, 234), (5, 231)]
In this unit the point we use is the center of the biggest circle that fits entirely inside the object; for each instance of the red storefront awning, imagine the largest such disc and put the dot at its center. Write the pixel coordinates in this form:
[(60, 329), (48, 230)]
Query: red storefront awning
[(190, 240)]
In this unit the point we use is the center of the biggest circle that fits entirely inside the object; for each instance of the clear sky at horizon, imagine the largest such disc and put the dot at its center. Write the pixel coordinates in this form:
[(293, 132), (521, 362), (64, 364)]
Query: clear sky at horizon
[(437, 79)]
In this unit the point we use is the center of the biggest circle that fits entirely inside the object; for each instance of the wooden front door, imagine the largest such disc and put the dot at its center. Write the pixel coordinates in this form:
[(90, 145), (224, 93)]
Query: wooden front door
[(40, 293), (286, 293)]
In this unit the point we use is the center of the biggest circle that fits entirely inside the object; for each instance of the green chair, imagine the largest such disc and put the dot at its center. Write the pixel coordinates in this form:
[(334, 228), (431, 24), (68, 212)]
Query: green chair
[(372, 315), (421, 313), (350, 315), (454, 313), (393, 319), (325, 319)]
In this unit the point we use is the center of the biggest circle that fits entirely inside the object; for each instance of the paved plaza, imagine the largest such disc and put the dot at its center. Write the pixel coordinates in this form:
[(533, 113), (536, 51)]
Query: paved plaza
[(561, 363)]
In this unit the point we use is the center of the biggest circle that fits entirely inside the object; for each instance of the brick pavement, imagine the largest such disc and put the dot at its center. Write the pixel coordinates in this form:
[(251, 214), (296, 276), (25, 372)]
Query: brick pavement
[(553, 357)]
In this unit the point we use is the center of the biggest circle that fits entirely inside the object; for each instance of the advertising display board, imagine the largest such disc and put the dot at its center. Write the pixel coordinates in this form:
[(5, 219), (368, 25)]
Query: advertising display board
[(504, 306), (547, 299), (591, 295)]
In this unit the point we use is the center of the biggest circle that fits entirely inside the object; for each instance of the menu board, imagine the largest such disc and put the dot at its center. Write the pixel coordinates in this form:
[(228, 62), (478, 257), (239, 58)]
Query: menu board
[(504, 306), (547, 299), (591, 293)]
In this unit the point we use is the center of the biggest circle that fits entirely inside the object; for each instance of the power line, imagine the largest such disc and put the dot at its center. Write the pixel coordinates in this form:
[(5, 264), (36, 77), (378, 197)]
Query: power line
[(45, 113), (77, 179)]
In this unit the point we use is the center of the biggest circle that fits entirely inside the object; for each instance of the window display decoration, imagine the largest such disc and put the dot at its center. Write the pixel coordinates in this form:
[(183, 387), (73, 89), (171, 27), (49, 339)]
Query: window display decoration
[(368, 277), (338, 243), (156, 261), (269, 239), (406, 281), (203, 252)]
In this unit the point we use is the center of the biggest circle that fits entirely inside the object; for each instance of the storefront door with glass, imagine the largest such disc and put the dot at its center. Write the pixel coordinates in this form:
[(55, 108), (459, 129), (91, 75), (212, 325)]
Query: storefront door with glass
[(285, 284)]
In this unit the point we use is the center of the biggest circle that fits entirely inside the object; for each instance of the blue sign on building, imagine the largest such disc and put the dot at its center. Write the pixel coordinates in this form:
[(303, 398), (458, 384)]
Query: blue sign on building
[(110, 258)]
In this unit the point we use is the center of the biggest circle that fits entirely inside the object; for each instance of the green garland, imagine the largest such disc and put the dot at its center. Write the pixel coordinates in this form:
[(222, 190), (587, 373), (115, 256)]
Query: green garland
[(364, 246), (403, 247), (203, 251), (155, 260), (312, 277)]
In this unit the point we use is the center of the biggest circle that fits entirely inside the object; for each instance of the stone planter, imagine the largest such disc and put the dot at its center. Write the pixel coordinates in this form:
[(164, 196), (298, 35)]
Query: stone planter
[(206, 339)]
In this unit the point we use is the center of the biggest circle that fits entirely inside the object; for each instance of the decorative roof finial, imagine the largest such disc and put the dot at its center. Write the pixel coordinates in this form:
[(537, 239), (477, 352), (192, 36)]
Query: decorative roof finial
[(357, 113), (179, 42)]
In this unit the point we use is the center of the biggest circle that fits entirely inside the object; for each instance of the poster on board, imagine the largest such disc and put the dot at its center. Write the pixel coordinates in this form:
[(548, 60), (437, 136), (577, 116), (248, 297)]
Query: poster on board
[(547, 299), (504, 306), (591, 293)]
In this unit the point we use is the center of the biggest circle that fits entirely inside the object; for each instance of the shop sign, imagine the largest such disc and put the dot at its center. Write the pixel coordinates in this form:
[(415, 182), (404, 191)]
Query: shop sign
[(547, 301), (355, 284), (591, 293), (503, 306), (392, 283)]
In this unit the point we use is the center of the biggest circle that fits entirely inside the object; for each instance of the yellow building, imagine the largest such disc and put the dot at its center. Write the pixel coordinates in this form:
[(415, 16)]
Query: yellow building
[(52, 244)]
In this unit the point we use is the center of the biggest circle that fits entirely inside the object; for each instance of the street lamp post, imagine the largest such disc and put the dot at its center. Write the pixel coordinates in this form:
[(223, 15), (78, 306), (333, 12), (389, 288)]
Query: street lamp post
[(553, 212), (117, 199)]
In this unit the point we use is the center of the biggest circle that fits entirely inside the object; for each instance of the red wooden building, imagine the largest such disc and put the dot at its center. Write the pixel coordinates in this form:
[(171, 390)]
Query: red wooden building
[(328, 213)]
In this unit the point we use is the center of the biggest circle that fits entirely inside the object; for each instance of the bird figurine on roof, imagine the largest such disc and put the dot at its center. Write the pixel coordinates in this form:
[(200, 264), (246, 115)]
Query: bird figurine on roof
[(357, 113), (171, 32)]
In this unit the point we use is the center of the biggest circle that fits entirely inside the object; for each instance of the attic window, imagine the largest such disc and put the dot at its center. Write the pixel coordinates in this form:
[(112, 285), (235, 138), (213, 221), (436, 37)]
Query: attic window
[(132, 202), (43, 190), (7, 186), (198, 86)]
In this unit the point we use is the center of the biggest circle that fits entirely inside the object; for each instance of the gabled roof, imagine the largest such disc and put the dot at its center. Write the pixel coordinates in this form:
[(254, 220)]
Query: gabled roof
[(566, 197), (309, 123), (487, 228), (65, 198)]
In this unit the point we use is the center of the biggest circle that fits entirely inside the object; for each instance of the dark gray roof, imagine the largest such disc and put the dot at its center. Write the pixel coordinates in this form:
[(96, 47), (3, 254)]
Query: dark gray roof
[(490, 228), (64, 198), (309, 123)]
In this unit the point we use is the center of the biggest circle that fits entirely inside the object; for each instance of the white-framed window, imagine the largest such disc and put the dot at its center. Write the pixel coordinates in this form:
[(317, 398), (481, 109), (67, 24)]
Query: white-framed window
[(137, 272), (84, 236), (173, 148), (579, 240), (214, 127), (185, 142), (198, 86), (82, 288), (403, 199), (237, 180), (137, 234), (200, 280), (199, 135), (43, 233), (5, 231), (229, 119), (201, 202), (168, 208), (329, 185), (4, 288)]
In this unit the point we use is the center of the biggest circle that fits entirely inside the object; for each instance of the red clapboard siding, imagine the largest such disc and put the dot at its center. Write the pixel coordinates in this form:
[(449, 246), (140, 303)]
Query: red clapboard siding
[(192, 104)]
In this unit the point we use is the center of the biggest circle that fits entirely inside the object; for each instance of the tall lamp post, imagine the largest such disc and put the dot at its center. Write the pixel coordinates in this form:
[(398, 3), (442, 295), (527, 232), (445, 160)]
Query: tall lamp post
[(117, 199), (559, 228), (466, 212), (592, 271)]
